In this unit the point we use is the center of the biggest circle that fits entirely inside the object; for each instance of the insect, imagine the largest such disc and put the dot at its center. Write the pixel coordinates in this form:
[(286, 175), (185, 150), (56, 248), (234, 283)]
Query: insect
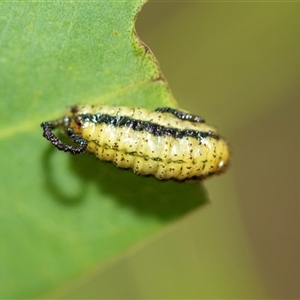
[(166, 143)]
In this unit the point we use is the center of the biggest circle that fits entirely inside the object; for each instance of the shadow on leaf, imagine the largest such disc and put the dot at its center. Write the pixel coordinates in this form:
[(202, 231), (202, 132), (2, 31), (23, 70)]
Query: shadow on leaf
[(146, 195)]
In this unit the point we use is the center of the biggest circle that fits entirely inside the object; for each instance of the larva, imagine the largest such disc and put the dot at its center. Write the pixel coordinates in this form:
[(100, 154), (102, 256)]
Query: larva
[(166, 143)]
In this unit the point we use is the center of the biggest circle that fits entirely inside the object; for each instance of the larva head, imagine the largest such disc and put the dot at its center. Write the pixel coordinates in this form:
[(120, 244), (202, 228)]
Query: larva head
[(74, 119)]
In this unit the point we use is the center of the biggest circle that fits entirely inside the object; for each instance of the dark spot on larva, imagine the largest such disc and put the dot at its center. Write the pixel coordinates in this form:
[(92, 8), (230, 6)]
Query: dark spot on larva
[(157, 159), (74, 109)]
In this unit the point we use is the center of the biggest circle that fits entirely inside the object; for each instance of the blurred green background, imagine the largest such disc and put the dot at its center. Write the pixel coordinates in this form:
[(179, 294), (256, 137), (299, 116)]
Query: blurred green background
[(237, 65)]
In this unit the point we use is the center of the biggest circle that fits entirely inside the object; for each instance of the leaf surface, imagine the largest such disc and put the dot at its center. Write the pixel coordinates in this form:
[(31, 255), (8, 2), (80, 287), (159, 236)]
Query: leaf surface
[(60, 214)]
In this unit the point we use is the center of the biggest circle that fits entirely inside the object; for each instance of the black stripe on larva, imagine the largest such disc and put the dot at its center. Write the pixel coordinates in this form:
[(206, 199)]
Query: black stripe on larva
[(139, 125), (180, 114)]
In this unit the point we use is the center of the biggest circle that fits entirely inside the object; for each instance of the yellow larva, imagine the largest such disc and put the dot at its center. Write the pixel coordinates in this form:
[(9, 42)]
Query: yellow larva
[(166, 143)]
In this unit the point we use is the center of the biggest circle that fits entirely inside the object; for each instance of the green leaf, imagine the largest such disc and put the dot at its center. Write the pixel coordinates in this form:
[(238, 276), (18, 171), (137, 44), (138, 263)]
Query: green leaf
[(61, 215)]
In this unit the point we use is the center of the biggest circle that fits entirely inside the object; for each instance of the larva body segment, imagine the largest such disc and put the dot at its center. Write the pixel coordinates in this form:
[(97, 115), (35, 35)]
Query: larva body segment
[(165, 143)]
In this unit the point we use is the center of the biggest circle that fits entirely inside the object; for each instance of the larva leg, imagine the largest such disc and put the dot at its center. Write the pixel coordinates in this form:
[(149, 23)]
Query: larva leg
[(180, 114), (51, 137)]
